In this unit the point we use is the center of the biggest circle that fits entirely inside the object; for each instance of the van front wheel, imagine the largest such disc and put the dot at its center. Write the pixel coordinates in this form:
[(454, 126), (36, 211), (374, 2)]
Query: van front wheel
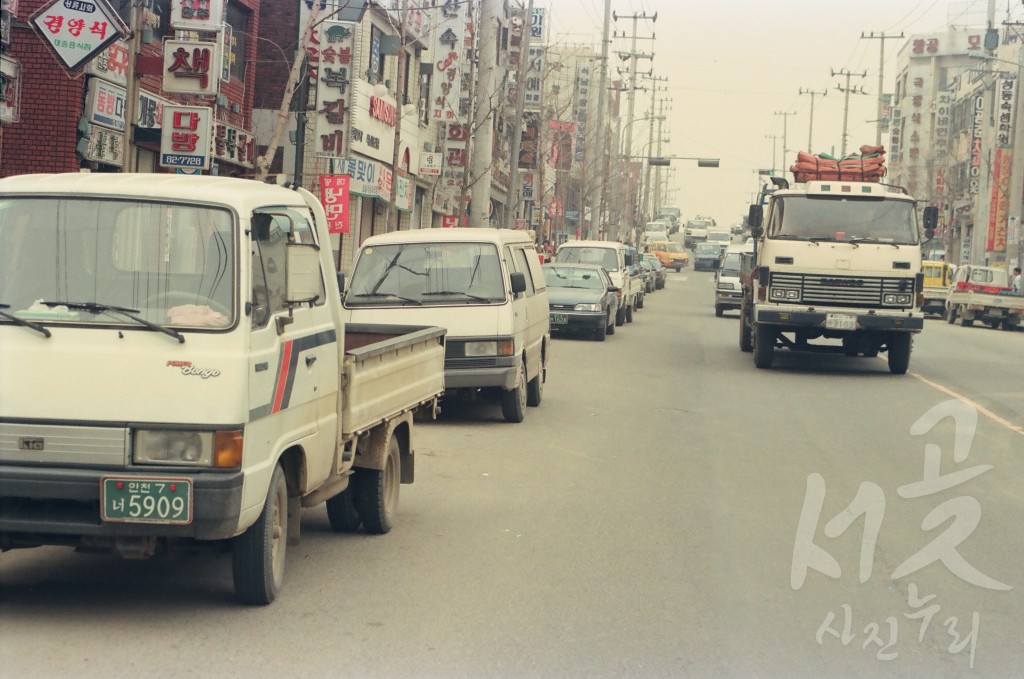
[(513, 401)]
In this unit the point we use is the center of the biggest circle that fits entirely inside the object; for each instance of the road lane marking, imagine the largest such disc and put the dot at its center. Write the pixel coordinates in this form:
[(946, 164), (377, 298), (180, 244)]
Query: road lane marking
[(977, 406)]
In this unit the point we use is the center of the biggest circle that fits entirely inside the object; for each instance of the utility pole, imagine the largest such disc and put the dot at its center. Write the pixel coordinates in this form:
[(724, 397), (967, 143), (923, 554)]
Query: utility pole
[(602, 124), (132, 86), (773, 137), (393, 218), (882, 37), (632, 55), (647, 198), (785, 118), (515, 183), (657, 172), (845, 72), (483, 133), (810, 126)]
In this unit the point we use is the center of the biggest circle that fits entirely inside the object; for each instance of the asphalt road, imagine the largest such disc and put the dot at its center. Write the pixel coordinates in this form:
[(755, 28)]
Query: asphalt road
[(657, 516)]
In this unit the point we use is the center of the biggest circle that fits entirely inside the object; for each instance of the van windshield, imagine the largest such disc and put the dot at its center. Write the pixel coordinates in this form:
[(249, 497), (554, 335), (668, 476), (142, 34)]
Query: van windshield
[(421, 274), (606, 257), (90, 261), (730, 265)]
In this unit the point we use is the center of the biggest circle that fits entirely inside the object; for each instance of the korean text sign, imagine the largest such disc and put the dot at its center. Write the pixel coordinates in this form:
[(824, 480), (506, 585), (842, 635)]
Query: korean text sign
[(334, 196), (77, 30), (185, 139)]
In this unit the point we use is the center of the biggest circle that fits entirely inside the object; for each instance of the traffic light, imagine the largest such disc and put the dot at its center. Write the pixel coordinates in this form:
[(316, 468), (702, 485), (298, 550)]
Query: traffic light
[(707, 162)]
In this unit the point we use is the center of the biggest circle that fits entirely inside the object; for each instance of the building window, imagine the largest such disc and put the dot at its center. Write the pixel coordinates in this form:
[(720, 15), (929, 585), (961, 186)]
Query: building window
[(238, 20)]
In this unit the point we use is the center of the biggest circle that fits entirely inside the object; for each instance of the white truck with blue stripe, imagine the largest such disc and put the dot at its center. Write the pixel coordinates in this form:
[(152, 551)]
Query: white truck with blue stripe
[(175, 373)]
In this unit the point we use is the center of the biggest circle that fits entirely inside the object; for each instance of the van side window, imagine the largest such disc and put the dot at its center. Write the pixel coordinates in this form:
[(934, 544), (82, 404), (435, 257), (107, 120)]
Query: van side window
[(536, 270), (523, 265)]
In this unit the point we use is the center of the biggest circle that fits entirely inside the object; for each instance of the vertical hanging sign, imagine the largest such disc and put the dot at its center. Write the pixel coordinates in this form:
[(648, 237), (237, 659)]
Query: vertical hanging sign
[(330, 59), (334, 195), (197, 15)]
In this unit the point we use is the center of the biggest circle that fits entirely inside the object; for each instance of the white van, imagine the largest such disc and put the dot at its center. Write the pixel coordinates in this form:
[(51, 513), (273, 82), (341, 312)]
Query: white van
[(612, 256), (728, 291), (485, 286)]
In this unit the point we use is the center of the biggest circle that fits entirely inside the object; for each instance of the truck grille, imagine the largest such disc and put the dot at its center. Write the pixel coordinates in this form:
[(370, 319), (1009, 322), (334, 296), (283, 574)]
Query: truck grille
[(851, 291)]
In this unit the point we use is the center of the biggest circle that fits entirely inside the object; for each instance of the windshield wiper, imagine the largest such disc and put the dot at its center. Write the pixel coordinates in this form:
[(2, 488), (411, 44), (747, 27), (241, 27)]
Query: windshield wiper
[(874, 241), (21, 321), (459, 292), (391, 295), (97, 308)]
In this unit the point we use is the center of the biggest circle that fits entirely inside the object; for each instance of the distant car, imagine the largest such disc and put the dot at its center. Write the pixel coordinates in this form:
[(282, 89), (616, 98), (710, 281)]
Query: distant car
[(660, 272), (728, 292), (581, 299), (650, 277), (638, 276), (672, 255), (706, 256)]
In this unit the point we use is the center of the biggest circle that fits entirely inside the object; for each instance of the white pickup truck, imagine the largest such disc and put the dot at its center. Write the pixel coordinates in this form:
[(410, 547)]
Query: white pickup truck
[(175, 373), (982, 293)]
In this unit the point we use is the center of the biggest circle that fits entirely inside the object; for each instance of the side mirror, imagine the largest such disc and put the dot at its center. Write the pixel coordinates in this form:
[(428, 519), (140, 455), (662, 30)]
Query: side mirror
[(518, 282), (629, 259), (931, 220), (613, 288), (302, 273), (341, 283), (755, 218)]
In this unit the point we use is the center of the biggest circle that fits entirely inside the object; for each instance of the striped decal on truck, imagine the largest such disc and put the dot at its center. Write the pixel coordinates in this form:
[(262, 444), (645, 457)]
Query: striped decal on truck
[(287, 362)]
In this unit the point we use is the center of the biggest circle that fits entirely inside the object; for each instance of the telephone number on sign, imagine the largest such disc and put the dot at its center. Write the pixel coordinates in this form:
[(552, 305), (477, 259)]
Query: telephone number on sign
[(184, 161)]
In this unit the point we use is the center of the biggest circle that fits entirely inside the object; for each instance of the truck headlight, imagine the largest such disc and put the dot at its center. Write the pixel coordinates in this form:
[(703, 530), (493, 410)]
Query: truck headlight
[(785, 293), (897, 299), (221, 449), (587, 307)]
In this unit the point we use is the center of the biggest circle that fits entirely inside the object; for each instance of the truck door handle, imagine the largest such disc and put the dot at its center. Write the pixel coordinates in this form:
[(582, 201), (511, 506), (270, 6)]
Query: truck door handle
[(310, 360)]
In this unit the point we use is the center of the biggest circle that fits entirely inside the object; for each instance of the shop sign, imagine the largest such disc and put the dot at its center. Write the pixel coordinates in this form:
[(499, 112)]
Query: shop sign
[(233, 145), (10, 89), (185, 137), (449, 221), (367, 177), (1006, 111), (330, 61), (111, 64), (191, 67), (430, 164), (537, 24), (105, 146), (372, 135), (151, 110), (977, 129), (197, 15), (403, 193), (77, 30), (334, 189), (8, 10), (105, 104)]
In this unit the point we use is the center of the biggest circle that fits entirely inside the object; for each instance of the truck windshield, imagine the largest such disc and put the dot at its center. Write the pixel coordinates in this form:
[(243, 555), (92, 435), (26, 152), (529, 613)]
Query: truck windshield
[(805, 218), (426, 274), (165, 264)]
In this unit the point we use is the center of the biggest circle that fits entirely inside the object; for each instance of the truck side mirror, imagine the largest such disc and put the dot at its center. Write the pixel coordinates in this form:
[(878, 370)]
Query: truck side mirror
[(302, 273), (931, 220), (755, 218), (341, 283), (629, 259), (518, 282)]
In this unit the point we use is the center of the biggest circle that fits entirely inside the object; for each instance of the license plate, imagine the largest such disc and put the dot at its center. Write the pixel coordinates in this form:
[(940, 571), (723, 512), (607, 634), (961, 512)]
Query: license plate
[(840, 322), (559, 319), (146, 500)]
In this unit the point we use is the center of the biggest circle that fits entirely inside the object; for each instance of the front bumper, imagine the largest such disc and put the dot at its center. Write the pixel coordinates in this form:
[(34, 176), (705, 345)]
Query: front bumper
[(728, 298), (580, 321), (801, 317), (51, 505), (484, 371)]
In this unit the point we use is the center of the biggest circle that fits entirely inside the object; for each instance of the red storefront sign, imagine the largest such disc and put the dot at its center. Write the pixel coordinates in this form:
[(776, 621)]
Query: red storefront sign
[(334, 196)]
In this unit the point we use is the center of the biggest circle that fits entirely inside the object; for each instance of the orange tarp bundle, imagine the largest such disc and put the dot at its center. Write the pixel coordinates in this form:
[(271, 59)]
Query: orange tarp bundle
[(869, 166)]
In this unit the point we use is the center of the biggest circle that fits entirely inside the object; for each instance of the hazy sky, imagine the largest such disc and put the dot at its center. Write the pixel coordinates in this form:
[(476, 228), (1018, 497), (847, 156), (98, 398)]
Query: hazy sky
[(733, 65)]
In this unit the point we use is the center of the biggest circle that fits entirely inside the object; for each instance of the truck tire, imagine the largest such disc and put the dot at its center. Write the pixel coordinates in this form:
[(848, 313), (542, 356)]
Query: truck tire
[(341, 512), (629, 313), (620, 316), (258, 554), (964, 321), (718, 310), (610, 328), (746, 340), (513, 401), (640, 300), (375, 491), (764, 346), (1009, 325), (951, 314), (535, 387), (900, 345)]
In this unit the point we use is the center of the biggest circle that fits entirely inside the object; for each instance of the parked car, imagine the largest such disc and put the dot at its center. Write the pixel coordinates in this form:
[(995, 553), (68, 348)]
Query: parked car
[(660, 272), (581, 299), (707, 256), (672, 255), (616, 259), (650, 277)]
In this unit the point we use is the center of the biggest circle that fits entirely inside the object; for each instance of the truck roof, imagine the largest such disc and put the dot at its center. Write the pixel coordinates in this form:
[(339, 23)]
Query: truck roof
[(845, 188), (188, 188)]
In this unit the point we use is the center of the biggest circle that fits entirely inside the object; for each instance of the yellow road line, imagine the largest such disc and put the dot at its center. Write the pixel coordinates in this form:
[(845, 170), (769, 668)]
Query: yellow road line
[(977, 406)]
